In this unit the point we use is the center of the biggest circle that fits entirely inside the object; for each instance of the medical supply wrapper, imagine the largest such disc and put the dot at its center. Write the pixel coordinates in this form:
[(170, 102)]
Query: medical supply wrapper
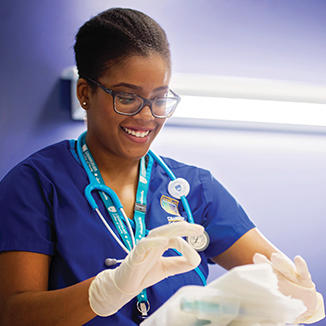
[(246, 295)]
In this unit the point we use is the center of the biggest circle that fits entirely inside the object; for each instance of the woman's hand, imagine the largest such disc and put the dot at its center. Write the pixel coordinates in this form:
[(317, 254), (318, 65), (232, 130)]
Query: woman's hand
[(294, 280), (144, 266)]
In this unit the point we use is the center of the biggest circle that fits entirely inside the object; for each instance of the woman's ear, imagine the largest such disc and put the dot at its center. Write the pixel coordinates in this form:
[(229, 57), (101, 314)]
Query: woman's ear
[(83, 90)]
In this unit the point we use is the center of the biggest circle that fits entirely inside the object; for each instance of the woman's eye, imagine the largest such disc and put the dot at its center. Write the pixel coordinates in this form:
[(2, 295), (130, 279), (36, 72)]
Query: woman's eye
[(160, 101), (126, 99)]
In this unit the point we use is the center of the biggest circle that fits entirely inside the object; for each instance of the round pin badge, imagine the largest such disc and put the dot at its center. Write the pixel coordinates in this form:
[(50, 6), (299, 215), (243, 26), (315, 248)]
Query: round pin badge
[(178, 187), (199, 243)]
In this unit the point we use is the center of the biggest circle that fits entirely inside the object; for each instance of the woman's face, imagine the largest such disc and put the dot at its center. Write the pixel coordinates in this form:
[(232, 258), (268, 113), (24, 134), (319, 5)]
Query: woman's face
[(127, 136)]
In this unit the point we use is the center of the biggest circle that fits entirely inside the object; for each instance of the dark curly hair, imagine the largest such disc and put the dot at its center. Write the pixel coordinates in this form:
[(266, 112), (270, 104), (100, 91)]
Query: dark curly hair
[(115, 34)]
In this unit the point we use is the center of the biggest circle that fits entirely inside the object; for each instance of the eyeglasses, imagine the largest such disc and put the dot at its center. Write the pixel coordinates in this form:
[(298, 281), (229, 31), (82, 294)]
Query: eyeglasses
[(131, 104)]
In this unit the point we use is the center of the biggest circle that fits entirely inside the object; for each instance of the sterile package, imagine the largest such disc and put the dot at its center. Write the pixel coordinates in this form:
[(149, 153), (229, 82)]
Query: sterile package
[(244, 296)]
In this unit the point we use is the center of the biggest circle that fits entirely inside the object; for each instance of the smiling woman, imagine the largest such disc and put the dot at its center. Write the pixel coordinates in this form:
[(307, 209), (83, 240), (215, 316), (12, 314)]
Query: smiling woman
[(54, 248)]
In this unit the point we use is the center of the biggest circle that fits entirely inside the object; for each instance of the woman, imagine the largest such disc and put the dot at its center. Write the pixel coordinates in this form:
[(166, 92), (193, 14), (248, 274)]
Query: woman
[(54, 262)]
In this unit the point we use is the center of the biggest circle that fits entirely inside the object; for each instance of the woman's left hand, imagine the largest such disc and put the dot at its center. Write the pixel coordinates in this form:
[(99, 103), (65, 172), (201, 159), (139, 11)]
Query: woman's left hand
[(294, 280)]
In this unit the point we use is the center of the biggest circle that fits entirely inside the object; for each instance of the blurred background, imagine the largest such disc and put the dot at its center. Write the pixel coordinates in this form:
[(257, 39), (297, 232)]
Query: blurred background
[(278, 175)]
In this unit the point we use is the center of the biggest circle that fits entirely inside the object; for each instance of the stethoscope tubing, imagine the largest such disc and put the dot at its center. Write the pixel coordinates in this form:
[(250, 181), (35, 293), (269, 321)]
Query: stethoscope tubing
[(111, 231), (95, 185)]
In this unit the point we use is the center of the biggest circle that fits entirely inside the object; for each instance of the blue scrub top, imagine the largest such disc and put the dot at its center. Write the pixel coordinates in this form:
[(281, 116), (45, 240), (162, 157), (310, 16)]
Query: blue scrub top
[(44, 210)]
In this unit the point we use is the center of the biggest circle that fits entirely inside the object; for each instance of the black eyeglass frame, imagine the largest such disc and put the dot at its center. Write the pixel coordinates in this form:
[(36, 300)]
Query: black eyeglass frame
[(145, 101)]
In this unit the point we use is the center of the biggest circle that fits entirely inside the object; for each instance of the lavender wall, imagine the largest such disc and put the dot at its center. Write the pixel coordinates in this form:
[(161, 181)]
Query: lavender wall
[(278, 177)]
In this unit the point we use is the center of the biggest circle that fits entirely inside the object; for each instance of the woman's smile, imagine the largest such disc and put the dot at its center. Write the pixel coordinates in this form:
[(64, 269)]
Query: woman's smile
[(138, 135)]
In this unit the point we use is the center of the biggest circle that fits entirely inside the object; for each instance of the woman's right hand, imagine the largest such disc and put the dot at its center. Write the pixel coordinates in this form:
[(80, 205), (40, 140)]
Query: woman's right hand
[(144, 266), (294, 280)]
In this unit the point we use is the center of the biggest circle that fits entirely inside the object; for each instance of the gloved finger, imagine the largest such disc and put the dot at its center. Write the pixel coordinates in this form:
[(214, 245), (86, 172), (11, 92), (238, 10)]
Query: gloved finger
[(176, 265), (284, 265), (260, 259), (141, 268), (178, 229), (189, 260), (148, 247), (303, 271)]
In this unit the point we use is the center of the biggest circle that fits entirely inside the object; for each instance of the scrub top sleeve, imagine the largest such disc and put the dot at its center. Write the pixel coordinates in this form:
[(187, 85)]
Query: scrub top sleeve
[(225, 220), (25, 204)]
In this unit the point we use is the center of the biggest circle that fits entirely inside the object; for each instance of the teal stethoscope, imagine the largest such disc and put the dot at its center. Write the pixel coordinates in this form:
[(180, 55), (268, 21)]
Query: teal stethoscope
[(178, 188)]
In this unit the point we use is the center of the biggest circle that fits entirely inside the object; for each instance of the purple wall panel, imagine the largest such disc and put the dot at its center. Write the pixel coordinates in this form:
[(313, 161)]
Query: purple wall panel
[(245, 38)]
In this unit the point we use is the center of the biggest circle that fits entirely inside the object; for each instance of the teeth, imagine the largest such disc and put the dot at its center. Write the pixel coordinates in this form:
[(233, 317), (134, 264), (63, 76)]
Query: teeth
[(140, 134)]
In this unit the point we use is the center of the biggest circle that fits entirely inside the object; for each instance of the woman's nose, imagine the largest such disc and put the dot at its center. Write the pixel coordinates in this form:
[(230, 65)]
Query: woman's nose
[(145, 113)]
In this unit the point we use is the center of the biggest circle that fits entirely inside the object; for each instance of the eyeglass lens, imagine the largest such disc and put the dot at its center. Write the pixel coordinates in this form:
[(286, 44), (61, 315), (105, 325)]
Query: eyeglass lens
[(129, 103)]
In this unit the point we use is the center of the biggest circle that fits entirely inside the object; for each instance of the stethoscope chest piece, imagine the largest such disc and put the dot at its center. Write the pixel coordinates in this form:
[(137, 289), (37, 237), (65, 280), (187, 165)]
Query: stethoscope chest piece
[(199, 243), (178, 188)]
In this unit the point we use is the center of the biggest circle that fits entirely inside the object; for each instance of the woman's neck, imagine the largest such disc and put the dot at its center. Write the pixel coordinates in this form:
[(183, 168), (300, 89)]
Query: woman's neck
[(116, 171)]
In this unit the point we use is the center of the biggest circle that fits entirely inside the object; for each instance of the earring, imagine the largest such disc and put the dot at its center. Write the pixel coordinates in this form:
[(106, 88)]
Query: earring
[(84, 103)]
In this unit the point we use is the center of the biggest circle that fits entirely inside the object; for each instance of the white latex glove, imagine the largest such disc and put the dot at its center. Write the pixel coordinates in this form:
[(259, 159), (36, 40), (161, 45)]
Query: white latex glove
[(144, 266), (294, 280)]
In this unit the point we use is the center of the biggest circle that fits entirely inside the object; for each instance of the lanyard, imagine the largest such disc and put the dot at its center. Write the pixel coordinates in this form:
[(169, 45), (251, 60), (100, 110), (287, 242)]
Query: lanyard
[(141, 197), (139, 210)]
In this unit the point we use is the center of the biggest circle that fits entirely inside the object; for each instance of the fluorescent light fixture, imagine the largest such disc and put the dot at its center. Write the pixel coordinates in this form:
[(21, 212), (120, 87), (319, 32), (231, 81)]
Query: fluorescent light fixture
[(237, 102), (248, 110), (250, 103)]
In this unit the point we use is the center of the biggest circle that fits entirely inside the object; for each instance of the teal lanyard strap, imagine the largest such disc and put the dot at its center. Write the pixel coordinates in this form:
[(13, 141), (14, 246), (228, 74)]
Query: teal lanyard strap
[(140, 212), (141, 198)]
